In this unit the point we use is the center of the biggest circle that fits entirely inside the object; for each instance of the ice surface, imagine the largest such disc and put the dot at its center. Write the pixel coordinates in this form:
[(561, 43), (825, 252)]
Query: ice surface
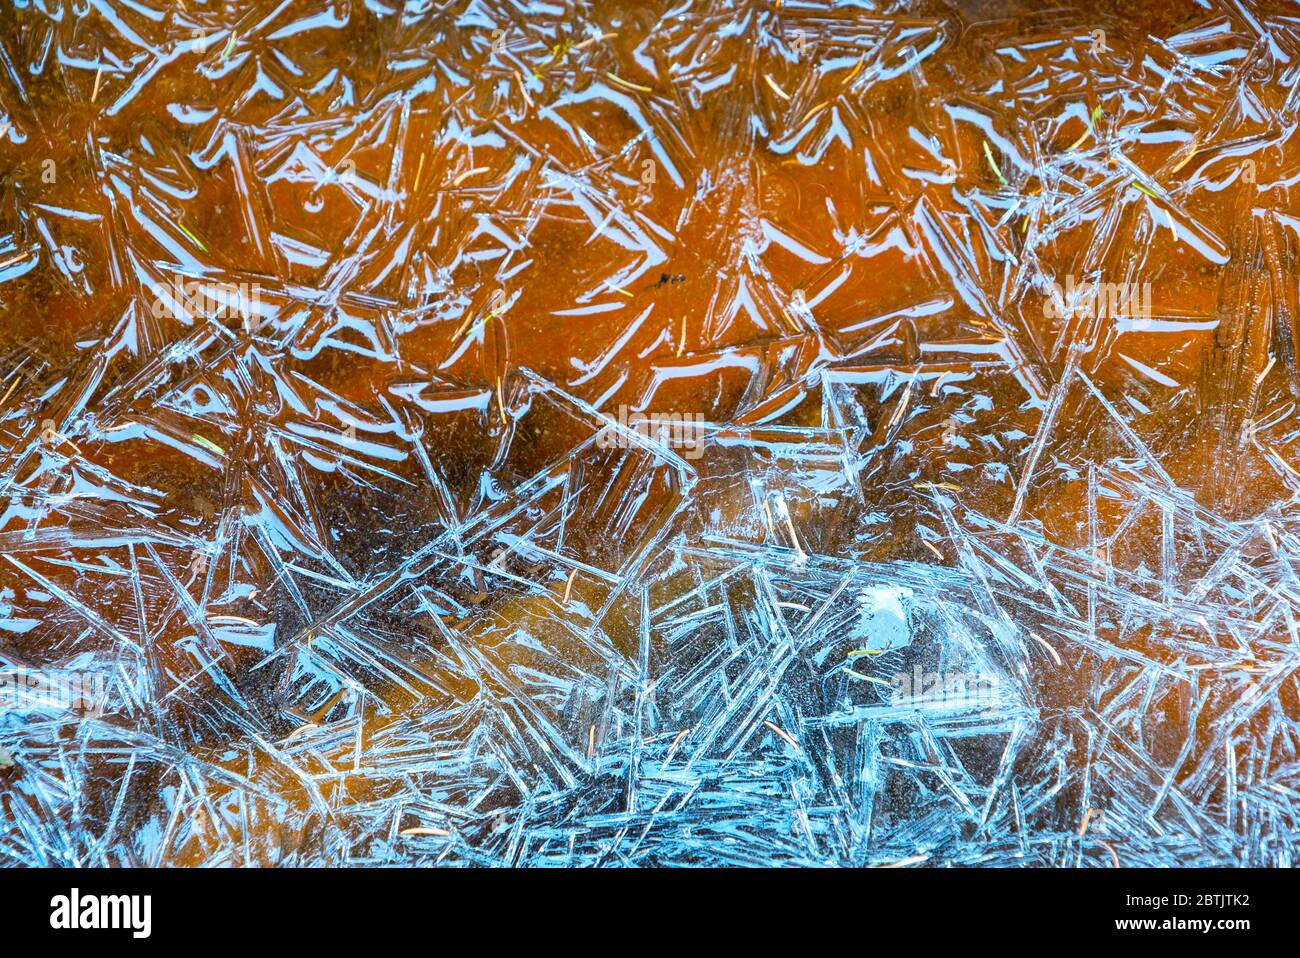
[(728, 433)]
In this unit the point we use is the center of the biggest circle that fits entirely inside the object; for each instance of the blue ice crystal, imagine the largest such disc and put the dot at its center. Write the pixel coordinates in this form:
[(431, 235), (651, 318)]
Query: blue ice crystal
[(572, 434)]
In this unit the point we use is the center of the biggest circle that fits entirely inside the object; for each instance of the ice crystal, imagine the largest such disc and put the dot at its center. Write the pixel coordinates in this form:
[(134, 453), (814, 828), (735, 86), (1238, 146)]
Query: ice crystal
[(694, 433)]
